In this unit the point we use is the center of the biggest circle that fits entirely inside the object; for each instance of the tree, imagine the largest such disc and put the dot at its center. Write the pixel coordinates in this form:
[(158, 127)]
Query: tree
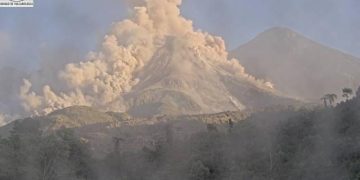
[(62, 155), (14, 155), (211, 128), (347, 92), (332, 98), (198, 171), (209, 159), (230, 123), (169, 134), (329, 98), (78, 155), (51, 158), (324, 99), (117, 141)]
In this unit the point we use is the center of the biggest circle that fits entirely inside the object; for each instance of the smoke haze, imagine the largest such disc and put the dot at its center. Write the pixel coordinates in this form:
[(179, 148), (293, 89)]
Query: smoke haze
[(41, 49), (155, 97), (102, 79)]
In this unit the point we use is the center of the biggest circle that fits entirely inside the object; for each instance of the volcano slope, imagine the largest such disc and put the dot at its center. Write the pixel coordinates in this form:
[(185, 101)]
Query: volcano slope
[(297, 65), (312, 144), (154, 63)]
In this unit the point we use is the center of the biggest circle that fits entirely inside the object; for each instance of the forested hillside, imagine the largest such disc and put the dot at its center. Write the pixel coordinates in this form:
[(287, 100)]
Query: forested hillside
[(318, 143)]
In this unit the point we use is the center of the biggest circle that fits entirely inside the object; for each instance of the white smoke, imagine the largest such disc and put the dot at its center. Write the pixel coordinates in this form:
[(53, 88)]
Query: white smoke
[(105, 76)]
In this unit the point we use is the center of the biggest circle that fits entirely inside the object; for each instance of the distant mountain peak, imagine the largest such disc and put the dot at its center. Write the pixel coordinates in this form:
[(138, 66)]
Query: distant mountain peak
[(283, 36), (297, 65), (280, 30)]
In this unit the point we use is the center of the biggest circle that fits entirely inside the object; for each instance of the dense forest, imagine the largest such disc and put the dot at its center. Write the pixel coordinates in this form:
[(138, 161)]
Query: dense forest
[(309, 143)]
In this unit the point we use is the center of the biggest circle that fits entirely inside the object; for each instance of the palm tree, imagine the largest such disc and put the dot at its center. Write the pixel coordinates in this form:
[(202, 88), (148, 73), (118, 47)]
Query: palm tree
[(331, 98), (347, 92), (324, 99)]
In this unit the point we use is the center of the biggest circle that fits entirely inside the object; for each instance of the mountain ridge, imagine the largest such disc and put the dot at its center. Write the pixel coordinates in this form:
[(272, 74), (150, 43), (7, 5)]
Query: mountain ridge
[(185, 82), (298, 65), (288, 30)]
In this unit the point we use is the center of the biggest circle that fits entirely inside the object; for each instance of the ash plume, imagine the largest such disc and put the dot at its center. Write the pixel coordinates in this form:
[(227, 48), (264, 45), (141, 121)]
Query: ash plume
[(102, 79)]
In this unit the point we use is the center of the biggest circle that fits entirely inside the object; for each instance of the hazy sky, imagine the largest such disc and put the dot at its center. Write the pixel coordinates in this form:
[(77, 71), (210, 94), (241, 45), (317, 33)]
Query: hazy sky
[(68, 29)]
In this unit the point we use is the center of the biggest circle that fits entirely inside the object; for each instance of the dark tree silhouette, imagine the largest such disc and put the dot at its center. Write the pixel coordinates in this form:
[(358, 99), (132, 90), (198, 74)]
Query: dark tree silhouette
[(117, 141), (324, 99), (331, 98), (211, 128), (347, 92), (230, 123)]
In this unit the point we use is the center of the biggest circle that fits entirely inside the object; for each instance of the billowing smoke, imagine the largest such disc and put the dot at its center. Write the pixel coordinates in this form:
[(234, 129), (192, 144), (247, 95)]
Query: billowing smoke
[(105, 76)]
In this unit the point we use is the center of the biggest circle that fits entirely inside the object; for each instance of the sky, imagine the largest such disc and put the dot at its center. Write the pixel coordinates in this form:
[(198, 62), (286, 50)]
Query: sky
[(68, 29)]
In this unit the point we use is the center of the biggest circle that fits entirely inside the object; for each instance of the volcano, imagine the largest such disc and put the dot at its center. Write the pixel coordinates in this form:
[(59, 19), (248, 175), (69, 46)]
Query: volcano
[(297, 65), (183, 82), (155, 63)]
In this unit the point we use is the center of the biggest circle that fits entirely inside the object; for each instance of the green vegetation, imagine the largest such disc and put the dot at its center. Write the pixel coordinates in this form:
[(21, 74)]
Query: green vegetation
[(329, 99), (347, 93), (29, 154), (320, 143)]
